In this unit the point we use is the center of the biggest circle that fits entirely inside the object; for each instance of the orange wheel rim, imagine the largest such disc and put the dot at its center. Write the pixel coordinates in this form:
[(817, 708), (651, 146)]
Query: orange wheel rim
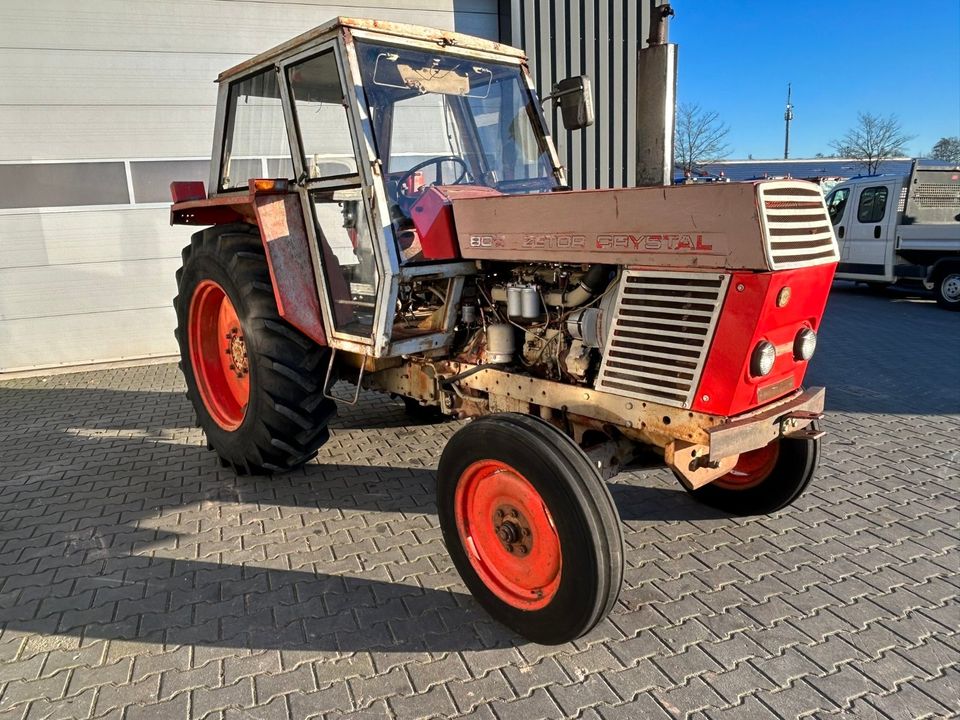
[(508, 534), (752, 468), (218, 355)]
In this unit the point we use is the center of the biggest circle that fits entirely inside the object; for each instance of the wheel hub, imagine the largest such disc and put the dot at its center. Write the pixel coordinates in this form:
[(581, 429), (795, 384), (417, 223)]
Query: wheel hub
[(499, 514), (218, 355), (951, 287), (237, 351), (752, 468), (513, 529)]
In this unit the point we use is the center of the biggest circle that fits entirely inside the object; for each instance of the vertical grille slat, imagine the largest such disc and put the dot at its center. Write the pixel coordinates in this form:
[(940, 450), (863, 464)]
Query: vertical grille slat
[(796, 227), (663, 323)]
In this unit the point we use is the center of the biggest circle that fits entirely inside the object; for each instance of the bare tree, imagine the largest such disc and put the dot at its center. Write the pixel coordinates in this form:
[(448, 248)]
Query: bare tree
[(947, 148), (699, 138), (873, 140)]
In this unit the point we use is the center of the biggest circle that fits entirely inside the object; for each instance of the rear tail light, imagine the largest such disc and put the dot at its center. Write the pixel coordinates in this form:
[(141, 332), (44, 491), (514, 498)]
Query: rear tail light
[(268, 186)]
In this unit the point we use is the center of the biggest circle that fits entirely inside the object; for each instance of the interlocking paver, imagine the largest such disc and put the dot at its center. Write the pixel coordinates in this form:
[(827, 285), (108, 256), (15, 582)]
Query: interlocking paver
[(139, 579)]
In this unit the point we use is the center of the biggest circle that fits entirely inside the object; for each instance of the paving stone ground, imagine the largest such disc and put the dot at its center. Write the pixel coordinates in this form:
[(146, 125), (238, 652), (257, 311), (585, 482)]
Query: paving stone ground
[(140, 580)]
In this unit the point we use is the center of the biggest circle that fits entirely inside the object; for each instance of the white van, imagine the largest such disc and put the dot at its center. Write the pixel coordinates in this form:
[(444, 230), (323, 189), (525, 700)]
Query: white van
[(901, 228)]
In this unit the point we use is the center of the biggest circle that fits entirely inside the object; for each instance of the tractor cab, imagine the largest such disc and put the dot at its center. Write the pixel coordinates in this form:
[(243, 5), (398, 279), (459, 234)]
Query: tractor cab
[(363, 119)]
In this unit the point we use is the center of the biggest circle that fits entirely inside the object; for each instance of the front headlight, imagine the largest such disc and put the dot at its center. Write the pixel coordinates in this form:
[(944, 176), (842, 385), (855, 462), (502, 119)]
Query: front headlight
[(761, 362), (804, 344)]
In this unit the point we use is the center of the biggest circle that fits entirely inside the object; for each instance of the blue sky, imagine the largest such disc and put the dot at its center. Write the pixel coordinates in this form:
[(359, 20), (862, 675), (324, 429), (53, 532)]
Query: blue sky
[(842, 56)]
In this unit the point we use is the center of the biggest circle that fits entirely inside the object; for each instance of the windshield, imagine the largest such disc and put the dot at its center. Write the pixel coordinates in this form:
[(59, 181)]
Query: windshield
[(446, 120)]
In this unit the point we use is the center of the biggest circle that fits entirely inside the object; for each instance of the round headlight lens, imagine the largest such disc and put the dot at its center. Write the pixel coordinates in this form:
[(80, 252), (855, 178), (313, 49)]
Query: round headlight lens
[(804, 344), (761, 362)]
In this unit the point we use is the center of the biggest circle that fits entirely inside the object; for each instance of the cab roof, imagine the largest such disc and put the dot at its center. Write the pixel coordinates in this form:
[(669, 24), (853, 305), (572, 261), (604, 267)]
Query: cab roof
[(381, 27)]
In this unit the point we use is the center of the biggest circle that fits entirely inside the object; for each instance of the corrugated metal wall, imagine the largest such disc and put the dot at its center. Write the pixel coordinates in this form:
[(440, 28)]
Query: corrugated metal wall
[(599, 38)]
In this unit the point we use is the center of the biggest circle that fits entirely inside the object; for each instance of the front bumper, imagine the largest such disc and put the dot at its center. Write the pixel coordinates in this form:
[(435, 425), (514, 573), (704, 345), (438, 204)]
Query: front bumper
[(787, 418), (791, 417)]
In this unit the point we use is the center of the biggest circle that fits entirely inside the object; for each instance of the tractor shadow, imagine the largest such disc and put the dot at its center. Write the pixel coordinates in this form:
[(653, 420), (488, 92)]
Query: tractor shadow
[(117, 523)]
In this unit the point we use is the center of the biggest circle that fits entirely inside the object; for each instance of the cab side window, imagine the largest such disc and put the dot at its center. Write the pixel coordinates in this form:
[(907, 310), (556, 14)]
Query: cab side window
[(873, 205), (837, 203), (322, 118), (255, 142)]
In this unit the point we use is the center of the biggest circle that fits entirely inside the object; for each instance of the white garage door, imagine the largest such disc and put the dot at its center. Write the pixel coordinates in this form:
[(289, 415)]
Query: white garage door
[(102, 103)]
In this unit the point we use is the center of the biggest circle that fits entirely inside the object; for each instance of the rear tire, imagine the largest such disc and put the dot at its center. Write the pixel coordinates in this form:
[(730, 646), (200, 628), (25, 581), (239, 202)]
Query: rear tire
[(947, 288), (262, 408), (764, 480), (531, 527)]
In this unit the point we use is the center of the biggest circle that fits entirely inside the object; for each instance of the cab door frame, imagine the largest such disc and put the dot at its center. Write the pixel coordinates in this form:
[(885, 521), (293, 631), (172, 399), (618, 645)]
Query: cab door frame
[(365, 178), (394, 271)]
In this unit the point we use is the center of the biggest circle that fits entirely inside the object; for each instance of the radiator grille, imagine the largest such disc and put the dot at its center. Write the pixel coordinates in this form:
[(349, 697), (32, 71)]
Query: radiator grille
[(796, 225), (657, 342)]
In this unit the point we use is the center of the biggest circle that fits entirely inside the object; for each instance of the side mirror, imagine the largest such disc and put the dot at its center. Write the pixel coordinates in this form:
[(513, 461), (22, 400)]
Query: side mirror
[(576, 101)]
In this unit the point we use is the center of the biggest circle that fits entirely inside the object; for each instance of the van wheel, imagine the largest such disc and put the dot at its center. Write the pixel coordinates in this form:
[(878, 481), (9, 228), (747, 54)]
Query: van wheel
[(254, 380), (531, 527), (948, 288), (764, 480)]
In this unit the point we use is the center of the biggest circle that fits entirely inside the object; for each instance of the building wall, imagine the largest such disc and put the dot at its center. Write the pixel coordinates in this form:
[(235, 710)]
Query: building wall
[(102, 103)]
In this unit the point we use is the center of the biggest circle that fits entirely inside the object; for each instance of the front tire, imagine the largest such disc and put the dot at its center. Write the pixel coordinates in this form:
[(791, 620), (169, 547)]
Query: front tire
[(764, 480), (531, 527), (947, 288), (254, 381)]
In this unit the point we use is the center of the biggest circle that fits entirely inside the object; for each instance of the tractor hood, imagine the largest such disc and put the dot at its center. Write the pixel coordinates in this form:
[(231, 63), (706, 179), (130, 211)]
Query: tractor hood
[(766, 225)]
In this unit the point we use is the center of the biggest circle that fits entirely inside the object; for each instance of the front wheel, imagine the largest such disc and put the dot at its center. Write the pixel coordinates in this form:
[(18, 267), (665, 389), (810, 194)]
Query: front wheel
[(764, 480), (948, 289), (530, 526)]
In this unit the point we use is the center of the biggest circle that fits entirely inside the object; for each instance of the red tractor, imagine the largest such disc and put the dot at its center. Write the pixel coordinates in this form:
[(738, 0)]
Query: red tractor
[(386, 207)]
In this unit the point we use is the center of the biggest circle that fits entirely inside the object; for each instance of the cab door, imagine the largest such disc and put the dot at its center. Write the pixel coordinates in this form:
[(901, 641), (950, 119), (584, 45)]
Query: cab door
[(866, 232), (333, 179)]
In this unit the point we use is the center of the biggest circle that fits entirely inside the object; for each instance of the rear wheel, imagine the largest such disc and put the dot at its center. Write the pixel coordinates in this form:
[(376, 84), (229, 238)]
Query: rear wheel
[(947, 288), (764, 480), (531, 527), (254, 381)]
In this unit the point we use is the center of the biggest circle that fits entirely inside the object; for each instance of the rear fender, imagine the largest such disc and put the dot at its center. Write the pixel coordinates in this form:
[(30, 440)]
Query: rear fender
[(285, 242)]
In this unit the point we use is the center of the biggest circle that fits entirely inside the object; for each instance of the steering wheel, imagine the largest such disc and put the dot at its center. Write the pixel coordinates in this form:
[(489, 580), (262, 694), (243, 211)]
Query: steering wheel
[(406, 201)]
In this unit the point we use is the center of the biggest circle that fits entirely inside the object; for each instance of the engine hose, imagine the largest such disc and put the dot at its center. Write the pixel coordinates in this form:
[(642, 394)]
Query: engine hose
[(594, 281)]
